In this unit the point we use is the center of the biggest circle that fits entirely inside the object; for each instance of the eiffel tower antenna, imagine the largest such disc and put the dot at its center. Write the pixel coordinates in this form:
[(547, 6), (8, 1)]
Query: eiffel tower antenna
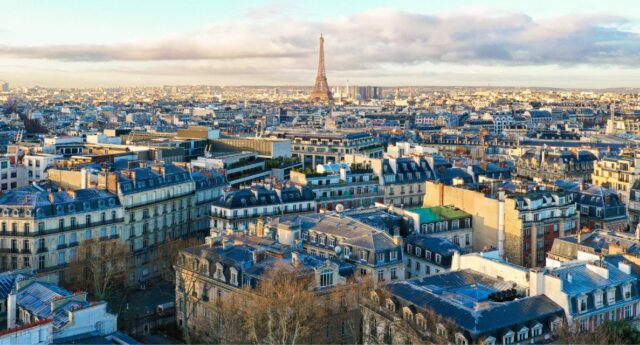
[(321, 91)]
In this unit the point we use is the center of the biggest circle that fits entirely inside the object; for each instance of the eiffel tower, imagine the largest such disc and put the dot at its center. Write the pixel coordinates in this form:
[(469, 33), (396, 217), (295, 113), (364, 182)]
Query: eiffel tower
[(321, 90)]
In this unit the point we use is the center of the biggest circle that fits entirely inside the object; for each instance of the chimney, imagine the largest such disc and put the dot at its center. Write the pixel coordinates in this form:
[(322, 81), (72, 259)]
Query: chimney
[(11, 309), (455, 261), (441, 194), (260, 227), (624, 267), (569, 277)]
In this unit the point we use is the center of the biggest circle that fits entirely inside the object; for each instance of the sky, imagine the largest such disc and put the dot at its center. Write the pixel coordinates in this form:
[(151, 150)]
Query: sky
[(526, 43)]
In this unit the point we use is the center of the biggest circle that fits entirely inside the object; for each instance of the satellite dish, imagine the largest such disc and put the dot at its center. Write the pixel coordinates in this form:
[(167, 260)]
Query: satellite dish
[(339, 208), (338, 250)]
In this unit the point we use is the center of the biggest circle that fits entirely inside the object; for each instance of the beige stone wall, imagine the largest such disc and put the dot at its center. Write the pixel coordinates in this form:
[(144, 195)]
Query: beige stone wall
[(484, 211), (513, 232), (70, 179)]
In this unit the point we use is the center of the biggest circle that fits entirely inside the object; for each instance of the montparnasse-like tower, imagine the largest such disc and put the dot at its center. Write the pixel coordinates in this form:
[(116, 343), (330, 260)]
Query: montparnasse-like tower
[(321, 91)]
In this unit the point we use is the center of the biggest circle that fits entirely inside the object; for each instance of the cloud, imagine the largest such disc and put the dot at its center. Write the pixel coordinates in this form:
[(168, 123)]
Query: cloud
[(362, 42)]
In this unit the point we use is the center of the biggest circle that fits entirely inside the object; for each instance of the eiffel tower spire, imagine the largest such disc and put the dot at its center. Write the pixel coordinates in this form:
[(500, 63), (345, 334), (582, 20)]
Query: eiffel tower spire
[(321, 90)]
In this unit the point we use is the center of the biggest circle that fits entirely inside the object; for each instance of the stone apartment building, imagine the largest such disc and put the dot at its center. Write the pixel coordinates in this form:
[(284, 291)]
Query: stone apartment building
[(618, 173), (40, 228), (238, 210), (552, 164), (402, 178), (341, 184), (373, 252), (322, 147), (473, 304), (521, 225), (205, 274)]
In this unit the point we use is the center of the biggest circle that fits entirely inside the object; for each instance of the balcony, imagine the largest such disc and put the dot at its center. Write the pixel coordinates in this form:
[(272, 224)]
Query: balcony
[(42, 250)]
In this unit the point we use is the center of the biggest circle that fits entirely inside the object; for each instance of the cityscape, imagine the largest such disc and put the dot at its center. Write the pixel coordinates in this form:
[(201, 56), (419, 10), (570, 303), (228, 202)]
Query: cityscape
[(277, 172)]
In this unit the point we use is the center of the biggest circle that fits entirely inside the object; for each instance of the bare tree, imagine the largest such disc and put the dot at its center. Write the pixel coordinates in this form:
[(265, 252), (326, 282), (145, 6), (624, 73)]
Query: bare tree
[(187, 272), (99, 266), (167, 255), (283, 309)]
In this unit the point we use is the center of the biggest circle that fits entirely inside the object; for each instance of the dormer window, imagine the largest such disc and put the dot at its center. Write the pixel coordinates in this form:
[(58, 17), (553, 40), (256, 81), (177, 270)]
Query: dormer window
[(626, 291), (523, 334), (323, 240), (390, 305), (441, 330), (418, 251), (393, 256), (407, 314), (508, 338), (438, 258), (219, 273), (421, 322), (598, 298), (611, 295), (582, 303)]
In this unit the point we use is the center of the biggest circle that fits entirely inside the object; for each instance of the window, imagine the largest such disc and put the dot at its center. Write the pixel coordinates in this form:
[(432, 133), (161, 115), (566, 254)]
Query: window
[(103, 232), (584, 325), (61, 260), (326, 278), (628, 312), (87, 234), (536, 331), (61, 240), (393, 274), (438, 258), (234, 277), (597, 298), (582, 304), (393, 256), (461, 339), (611, 296), (427, 255), (441, 330), (40, 226), (626, 291), (381, 275), (27, 228), (418, 251), (88, 220), (523, 334), (508, 338), (379, 257), (41, 262), (73, 238), (114, 231), (373, 327), (600, 319), (364, 255)]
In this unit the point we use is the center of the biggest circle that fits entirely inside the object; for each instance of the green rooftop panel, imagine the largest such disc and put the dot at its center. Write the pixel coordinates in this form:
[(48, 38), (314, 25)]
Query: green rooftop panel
[(438, 213)]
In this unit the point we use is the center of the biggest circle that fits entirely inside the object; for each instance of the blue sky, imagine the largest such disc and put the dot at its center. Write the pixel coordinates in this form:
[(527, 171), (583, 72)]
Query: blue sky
[(589, 44)]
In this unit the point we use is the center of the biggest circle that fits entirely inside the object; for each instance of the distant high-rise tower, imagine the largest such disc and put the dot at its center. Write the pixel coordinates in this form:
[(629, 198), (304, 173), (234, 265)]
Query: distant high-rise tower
[(321, 91)]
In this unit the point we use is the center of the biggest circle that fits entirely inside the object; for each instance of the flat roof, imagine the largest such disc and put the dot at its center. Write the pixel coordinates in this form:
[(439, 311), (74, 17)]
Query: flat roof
[(438, 213)]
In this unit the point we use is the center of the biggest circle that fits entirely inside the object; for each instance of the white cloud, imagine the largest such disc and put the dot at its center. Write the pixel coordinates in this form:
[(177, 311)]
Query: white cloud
[(361, 43)]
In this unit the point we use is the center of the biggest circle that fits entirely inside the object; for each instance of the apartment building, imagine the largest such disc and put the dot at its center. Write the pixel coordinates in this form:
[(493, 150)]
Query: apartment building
[(553, 164), (205, 274), (158, 201), (522, 225), (40, 228), (321, 147), (340, 184), (462, 307), (37, 165), (12, 174), (237, 210), (402, 178), (590, 292), (618, 173), (241, 168), (372, 251)]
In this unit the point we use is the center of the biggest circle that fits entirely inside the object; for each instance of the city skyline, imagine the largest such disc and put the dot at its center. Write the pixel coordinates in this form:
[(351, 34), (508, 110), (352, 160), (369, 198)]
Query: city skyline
[(406, 43)]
